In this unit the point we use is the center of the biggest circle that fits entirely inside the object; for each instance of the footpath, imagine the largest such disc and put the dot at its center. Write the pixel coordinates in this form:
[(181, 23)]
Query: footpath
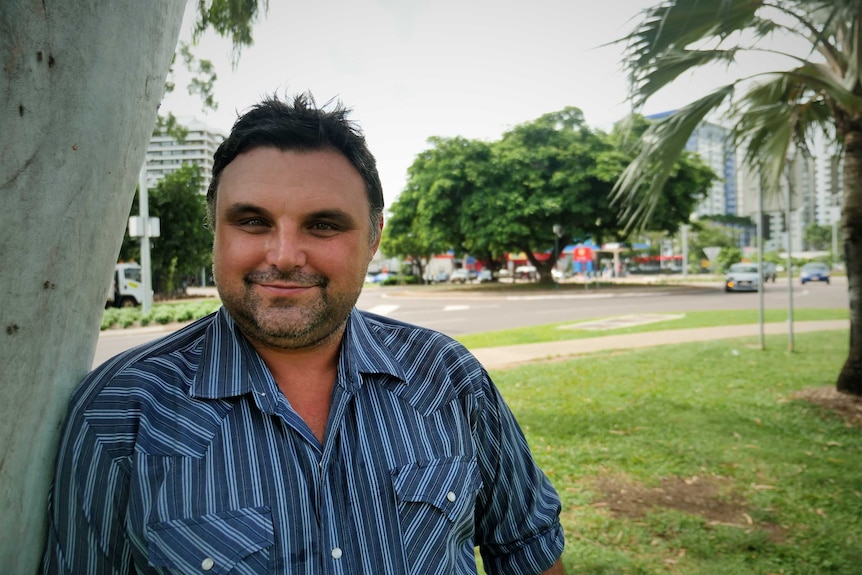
[(515, 355)]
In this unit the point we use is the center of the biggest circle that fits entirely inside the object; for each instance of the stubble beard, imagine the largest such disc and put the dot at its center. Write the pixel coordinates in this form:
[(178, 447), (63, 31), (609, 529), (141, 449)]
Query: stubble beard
[(283, 323)]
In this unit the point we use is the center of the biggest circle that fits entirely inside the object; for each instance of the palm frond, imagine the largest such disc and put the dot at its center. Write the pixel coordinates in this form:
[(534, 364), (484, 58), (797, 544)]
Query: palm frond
[(669, 29), (671, 65), (639, 188), (766, 133)]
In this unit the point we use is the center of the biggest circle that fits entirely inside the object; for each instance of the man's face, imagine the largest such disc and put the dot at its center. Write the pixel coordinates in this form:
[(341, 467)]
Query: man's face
[(292, 245)]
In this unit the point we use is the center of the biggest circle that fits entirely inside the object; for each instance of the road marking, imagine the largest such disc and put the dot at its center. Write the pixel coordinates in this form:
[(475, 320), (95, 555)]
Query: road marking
[(621, 321), (456, 307), (383, 309)]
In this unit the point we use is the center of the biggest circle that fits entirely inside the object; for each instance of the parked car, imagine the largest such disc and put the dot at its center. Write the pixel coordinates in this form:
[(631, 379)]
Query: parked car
[(526, 273), (742, 277), (461, 276), (814, 272), (485, 276)]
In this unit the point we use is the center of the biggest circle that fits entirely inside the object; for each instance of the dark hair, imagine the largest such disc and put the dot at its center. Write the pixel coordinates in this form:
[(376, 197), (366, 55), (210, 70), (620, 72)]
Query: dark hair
[(299, 125)]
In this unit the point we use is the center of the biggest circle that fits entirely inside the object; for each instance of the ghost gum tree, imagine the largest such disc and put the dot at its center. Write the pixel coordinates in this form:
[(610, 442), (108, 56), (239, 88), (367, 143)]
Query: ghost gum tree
[(81, 83)]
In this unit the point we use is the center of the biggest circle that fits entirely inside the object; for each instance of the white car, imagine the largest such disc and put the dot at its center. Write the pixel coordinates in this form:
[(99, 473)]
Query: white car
[(742, 277)]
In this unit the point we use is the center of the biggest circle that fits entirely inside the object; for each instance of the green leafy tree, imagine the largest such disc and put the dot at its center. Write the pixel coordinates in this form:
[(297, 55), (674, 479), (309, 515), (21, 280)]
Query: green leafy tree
[(817, 237), (184, 244), (403, 236), (686, 185), (727, 257), (706, 233), (489, 199), (772, 112), (432, 215), (546, 175)]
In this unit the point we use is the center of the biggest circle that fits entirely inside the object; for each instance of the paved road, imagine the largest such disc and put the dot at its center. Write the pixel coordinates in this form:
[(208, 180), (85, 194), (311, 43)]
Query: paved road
[(457, 313)]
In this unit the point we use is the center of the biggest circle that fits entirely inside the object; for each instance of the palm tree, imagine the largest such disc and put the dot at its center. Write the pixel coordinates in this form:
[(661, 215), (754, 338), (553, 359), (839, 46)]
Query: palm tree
[(773, 112)]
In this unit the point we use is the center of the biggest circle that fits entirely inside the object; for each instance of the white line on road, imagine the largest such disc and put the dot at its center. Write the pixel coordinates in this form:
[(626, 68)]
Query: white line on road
[(383, 309)]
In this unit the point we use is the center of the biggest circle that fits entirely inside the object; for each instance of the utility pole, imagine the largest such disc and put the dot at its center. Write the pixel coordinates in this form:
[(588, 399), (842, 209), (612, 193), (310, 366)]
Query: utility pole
[(144, 213), (684, 251)]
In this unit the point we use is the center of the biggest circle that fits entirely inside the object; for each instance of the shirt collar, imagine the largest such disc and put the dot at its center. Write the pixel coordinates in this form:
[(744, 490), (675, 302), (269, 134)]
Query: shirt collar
[(364, 350), (229, 365)]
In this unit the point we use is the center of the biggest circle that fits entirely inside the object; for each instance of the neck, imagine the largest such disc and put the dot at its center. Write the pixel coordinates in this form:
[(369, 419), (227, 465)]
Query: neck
[(306, 378)]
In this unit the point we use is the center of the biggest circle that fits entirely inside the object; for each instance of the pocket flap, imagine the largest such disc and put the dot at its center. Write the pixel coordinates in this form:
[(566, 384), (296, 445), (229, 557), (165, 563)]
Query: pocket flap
[(212, 543), (449, 484)]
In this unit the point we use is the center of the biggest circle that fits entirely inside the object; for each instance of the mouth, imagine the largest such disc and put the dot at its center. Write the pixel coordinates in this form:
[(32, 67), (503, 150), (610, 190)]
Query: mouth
[(285, 290), (285, 285)]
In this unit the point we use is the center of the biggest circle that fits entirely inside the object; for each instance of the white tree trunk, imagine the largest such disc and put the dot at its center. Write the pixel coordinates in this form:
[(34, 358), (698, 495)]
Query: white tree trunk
[(80, 82)]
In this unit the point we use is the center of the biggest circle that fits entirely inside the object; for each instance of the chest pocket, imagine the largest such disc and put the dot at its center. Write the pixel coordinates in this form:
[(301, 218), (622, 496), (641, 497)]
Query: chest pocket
[(449, 485), (436, 502), (237, 542)]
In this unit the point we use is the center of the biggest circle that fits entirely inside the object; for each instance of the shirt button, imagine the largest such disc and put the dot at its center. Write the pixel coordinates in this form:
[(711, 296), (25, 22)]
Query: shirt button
[(207, 564), (451, 496), (336, 553)]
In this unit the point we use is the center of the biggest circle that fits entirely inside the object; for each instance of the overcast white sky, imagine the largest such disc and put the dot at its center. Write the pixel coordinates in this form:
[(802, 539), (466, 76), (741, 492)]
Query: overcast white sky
[(411, 69)]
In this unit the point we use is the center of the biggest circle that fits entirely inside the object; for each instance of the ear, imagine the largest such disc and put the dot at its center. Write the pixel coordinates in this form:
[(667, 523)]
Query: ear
[(376, 243)]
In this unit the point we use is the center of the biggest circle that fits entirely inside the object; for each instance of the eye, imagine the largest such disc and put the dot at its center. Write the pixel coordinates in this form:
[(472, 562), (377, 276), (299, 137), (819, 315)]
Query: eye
[(253, 224), (324, 228)]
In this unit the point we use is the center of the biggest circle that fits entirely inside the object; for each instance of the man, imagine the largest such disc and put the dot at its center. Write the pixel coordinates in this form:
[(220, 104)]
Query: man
[(289, 432)]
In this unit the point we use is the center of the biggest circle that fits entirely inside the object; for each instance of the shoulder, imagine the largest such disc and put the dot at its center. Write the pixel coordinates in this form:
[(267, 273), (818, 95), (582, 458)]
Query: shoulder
[(417, 343), (427, 360), (113, 399)]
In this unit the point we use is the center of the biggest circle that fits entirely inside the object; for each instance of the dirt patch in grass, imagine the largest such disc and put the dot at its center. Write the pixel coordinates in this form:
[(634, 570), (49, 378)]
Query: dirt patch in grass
[(709, 497), (845, 406)]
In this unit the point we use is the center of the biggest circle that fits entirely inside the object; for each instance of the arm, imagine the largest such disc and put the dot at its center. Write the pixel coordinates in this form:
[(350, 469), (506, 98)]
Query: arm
[(517, 524)]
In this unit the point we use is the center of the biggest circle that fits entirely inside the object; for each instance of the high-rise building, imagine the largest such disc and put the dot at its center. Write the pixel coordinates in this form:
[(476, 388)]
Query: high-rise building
[(165, 154), (830, 184), (711, 142), (799, 185)]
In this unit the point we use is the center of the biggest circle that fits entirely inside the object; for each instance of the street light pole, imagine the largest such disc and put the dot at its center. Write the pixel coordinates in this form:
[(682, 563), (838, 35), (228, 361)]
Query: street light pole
[(558, 232), (144, 213)]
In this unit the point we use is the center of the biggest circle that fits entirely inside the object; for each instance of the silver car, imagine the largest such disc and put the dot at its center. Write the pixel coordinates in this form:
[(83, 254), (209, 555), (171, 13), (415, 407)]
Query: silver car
[(742, 277)]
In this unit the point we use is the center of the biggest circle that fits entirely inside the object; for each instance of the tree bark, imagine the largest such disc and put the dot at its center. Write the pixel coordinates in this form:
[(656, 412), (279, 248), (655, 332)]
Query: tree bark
[(81, 82), (850, 377)]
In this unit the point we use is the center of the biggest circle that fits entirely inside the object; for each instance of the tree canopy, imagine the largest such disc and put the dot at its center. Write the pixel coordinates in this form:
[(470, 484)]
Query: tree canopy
[(488, 199), (184, 244)]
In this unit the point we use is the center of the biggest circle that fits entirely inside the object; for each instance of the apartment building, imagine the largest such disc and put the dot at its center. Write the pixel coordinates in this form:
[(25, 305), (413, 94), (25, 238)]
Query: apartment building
[(710, 142), (165, 154)]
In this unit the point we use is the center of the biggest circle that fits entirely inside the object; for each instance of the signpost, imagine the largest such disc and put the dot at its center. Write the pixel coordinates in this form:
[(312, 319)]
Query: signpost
[(712, 253)]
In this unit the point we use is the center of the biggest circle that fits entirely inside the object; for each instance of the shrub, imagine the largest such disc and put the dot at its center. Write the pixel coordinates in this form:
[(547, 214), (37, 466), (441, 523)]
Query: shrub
[(399, 280)]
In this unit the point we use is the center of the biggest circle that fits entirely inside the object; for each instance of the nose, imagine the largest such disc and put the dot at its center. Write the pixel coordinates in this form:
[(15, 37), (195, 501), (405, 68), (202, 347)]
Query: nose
[(285, 249)]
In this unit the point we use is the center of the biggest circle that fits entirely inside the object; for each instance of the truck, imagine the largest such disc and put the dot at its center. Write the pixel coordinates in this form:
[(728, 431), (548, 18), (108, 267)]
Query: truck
[(126, 289)]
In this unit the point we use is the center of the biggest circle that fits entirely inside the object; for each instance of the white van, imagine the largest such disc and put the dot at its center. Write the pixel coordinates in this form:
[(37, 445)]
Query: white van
[(126, 289)]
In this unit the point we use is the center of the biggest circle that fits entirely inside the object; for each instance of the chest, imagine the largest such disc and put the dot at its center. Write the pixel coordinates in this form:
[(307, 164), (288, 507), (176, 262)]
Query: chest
[(388, 482)]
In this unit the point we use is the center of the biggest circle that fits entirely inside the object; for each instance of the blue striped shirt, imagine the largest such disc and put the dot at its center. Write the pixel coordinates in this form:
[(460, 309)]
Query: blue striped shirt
[(182, 456)]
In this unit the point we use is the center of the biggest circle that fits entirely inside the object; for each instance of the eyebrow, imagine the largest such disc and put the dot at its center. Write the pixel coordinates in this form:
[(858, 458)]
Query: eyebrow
[(334, 214), (331, 214), (240, 209)]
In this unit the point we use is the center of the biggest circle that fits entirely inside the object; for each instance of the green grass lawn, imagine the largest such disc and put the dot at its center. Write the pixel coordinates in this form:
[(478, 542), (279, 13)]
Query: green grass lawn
[(697, 459), (692, 319)]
